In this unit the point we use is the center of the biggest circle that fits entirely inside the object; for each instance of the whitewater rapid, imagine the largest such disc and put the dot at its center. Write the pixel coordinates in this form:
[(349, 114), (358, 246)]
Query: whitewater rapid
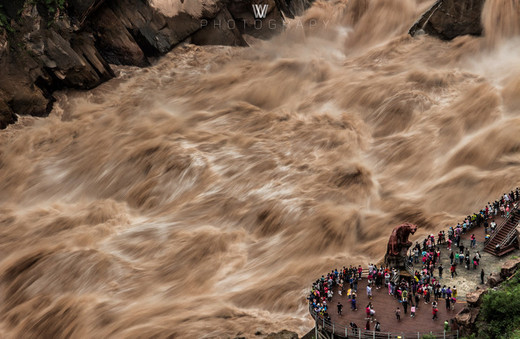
[(200, 197)]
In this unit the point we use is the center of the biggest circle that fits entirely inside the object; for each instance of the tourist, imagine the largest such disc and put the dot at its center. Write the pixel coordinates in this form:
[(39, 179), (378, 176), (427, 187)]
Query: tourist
[(370, 311), (440, 270), (353, 305), (493, 225), (446, 326), (412, 312), (434, 312), (377, 328), (398, 313), (473, 240), (453, 270), (448, 303), (340, 308), (369, 292), (482, 276), (354, 328)]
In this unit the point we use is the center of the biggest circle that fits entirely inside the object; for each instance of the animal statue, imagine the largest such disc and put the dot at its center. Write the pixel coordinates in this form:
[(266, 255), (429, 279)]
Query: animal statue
[(399, 238)]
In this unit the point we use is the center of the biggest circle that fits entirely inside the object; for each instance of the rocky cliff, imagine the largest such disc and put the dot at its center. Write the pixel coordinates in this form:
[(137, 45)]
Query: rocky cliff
[(46, 45), (447, 19)]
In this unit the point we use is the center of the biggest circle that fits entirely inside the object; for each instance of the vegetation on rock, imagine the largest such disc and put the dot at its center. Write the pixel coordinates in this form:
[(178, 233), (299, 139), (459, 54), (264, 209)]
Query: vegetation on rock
[(500, 312)]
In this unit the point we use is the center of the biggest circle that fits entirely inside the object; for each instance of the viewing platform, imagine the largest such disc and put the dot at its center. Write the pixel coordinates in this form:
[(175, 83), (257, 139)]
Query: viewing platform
[(467, 279)]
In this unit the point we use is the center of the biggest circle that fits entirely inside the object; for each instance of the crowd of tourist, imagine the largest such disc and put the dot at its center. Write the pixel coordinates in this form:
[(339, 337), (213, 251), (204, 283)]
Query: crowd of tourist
[(424, 257)]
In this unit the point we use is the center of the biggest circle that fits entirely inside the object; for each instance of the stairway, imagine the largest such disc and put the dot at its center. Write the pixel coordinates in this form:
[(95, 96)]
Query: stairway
[(503, 236)]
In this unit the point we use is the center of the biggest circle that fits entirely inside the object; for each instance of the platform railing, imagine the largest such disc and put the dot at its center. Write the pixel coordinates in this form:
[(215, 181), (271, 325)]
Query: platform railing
[(338, 330)]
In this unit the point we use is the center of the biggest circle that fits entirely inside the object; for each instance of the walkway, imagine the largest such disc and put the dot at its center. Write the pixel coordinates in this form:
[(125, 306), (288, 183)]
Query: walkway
[(385, 305)]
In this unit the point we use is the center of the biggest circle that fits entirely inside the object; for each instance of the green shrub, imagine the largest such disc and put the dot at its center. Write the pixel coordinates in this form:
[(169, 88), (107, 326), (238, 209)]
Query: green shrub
[(500, 312)]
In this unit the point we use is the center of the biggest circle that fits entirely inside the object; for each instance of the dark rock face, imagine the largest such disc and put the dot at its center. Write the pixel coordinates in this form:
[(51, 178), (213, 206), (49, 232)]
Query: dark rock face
[(75, 46), (221, 30), (447, 19)]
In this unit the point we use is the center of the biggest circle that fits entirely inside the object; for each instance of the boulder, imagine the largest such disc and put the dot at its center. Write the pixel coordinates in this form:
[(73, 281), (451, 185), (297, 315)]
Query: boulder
[(474, 299), (509, 268), (7, 115), (221, 30), (466, 319), (447, 19), (494, 279), (463, 318)]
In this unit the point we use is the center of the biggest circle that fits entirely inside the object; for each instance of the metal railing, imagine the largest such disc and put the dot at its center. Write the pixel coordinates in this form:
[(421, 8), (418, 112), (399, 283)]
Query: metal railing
[(502, 224), (508, 238), (340, 330)]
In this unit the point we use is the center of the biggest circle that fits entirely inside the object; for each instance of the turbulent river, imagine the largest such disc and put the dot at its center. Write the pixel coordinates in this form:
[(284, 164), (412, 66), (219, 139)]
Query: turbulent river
[(200, 197)]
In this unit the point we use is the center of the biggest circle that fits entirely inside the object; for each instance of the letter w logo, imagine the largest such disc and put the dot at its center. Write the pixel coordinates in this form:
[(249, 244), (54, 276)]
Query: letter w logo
[(260, 11)]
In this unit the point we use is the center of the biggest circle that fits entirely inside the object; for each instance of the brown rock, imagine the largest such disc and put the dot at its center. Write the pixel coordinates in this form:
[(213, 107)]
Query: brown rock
[(447, 19), (6, 114), (474, 298), (139, 23), (115, 42), (71, 68), (221, 30), (509, 267), (463, 318), (494, 279)]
